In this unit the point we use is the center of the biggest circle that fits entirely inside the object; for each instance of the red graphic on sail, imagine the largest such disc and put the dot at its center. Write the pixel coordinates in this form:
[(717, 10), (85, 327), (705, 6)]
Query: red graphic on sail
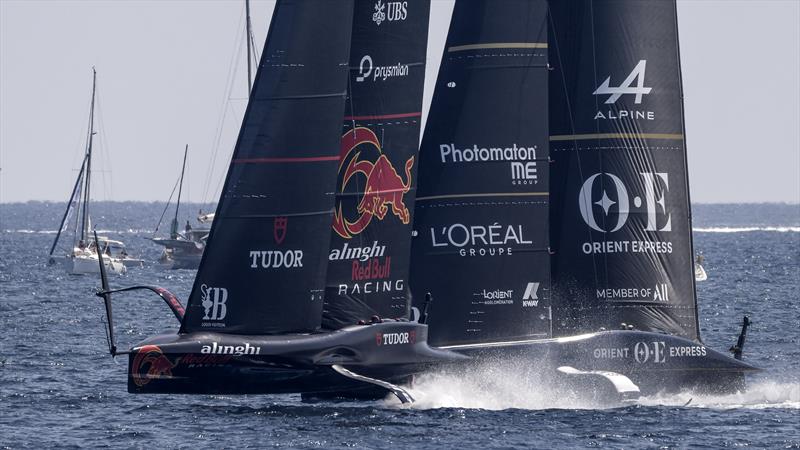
[(384, 188), (279, 229)]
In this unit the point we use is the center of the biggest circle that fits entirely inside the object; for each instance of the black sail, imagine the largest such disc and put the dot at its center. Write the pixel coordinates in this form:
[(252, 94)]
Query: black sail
[(621, 227), (263, 270), (481, 215), (371, 236)]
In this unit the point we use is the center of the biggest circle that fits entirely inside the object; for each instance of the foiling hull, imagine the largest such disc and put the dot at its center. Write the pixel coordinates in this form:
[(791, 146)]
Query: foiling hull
[(654, 362), (214, 363)]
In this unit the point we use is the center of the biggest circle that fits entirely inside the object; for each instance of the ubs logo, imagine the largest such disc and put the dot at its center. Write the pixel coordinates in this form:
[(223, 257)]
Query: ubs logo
[(214, 301), (389, 10), (625, 87), (606, 195)]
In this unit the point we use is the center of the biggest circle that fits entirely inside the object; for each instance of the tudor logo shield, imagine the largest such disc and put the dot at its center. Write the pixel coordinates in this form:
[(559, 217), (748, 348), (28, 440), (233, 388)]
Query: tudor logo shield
[(625, 87), (279, 229)]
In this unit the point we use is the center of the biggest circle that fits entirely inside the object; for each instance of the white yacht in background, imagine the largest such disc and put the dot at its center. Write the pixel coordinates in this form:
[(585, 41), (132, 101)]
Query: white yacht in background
[(82, 256)]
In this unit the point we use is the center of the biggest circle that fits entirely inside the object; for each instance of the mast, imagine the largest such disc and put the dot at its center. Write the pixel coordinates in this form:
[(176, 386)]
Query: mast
[(88, 175), (264, 265), (368, 262), (70, 205), (481, 217), (249, 45), (174, 228)]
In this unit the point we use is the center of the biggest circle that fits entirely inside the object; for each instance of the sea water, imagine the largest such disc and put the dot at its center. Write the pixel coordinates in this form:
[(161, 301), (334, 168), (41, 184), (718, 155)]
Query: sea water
[(59, 387)]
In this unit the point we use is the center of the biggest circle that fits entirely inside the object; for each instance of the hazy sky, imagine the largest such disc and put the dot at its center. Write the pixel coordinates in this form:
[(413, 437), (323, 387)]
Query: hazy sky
[(164, 69)]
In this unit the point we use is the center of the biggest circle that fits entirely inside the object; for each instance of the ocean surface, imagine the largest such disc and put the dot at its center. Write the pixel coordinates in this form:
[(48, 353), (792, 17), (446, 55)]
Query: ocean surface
[(59, 387)]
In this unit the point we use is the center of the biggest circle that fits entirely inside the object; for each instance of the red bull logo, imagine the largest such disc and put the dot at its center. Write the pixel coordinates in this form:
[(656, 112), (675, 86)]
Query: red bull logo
[(383, 188), (150, 363)]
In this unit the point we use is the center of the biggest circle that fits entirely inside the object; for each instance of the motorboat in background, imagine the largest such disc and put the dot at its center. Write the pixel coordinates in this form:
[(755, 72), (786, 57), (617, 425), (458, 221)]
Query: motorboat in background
[(699, 272), (182, 250), (82, 254)]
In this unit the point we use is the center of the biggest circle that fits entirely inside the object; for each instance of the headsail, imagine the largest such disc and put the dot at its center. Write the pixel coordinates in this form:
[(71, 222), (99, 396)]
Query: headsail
[(263, 270), (371, 238), (482, 206), (621, 221)]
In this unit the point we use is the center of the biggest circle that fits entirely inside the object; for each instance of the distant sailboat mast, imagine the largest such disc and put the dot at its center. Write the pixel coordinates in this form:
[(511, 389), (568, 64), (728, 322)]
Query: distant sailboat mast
[(173, 234), (249, 39), (88, 177)]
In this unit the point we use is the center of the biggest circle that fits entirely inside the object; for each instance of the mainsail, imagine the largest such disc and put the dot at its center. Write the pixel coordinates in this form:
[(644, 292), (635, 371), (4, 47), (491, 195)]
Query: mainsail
[(263, 270), (621, 224), (481, 215), (371, 236)]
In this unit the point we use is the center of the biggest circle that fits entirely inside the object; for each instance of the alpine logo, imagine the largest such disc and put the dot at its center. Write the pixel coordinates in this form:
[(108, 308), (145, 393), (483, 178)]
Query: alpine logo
[(409, 337), (625, 88), (531, 295), (213, 300), (389, 11), (367, 69)]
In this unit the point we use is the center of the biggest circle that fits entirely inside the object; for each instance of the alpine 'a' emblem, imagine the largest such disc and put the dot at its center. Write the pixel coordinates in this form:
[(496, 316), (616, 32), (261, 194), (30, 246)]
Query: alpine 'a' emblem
[(625, 88), (150, 363), (361, 157), (279, 229)]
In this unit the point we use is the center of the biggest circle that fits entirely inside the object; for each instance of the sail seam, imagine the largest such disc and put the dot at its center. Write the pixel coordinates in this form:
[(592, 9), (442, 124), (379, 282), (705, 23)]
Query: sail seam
[(461, 48), (490, 194), (580, 137)]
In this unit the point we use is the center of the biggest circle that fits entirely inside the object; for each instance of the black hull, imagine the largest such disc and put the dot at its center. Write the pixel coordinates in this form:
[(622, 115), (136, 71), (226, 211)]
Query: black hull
[(655, 363), (213, 363)]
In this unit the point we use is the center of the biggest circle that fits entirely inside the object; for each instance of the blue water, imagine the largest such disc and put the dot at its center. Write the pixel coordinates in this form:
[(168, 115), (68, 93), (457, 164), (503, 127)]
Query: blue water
[(58, 386)]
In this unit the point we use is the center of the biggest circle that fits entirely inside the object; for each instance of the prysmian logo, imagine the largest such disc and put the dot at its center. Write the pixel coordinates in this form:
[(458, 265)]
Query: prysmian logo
[(389, 11), (522, 159), (625, 87), (214, 301), (367, 69)]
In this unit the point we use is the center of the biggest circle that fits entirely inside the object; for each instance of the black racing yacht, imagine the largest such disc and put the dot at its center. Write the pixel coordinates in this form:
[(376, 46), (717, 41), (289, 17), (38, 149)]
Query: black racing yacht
[(550, 223), (552, 218), (327, 148)]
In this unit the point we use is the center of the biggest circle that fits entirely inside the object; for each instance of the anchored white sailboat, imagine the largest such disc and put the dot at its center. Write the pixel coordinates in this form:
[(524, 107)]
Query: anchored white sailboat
[(82, 256)]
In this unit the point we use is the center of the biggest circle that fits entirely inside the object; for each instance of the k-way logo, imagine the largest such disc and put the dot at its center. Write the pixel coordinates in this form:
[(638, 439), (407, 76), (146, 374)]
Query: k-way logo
[(531, 296), (522, 160), (367, 69), (480, 240), (625, 88), (213, 300), (390, 11), (409, 337)]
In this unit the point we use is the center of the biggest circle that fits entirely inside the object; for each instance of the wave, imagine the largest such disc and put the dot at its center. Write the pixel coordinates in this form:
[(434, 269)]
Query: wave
[(746, 229), (515, 386)]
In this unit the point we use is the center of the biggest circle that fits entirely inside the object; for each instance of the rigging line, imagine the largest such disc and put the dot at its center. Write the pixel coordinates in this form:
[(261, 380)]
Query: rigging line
[(166, 207), (569, 108), (226, 94), (600, 156)]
